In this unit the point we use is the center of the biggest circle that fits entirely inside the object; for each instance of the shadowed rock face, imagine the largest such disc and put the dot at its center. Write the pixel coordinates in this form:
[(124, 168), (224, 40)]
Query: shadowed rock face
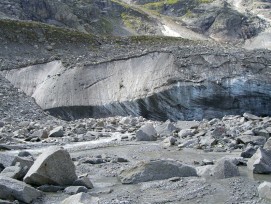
[(156, 85)]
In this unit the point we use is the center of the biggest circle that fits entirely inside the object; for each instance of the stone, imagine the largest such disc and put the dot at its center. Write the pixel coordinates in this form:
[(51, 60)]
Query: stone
[(71, 190), (170, 141), (165, 129), (11, 188), (24, 154), (248, 152), (260, 162), (83, 181), (207, 141), (267, 145), (146, 133), (249, 139), (2, 124), (225, 169), (251, 116), (207, 162), (54, 166), (50, 188), (187, 124), (25, 162), (155, 170), (264, 190), (81, 198), (57, 132), (42, 134), (185, 132), (205, 171), (15, 172)]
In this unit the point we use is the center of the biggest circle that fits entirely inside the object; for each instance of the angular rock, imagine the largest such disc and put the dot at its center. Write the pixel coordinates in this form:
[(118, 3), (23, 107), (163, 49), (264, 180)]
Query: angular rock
[(185, 133), (54, 166), (208, 141), (165, 129), (15, 172), (248, 152), (57, 132), (264, 190), (71, 190), (205, 171), (251, 116), (83, 181), (248, 139), (170, 141), (11, 188), (25, 162), (260, 162), (267, 145), (81, 198), (155, 170), (146, 133), (225, 169)]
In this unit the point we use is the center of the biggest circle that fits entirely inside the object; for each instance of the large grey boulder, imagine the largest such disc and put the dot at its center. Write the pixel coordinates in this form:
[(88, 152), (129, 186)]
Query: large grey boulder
[(264, 190), (54, 166), (224, 168), (260, 162), (14, 189), (81, 198), (156, 170), (146, 133), (57, 132)]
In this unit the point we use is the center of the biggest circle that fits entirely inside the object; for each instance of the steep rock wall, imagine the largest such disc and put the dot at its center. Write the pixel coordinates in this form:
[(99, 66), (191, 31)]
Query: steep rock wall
[(158, 85)]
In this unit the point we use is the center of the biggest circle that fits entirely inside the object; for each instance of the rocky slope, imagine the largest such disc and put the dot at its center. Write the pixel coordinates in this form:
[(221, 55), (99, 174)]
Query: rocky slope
[(237, 22)]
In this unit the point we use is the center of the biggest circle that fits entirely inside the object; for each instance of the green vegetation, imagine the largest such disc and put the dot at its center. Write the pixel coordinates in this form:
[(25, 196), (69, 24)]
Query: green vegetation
[(31, 31), (158, 6), (132, 22)]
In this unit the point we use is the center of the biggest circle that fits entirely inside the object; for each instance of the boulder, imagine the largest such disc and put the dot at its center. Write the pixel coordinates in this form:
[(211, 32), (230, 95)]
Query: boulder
[(165, 129), (260, 162), (264, 190), (71, 190), (57, 132), (54, 166), (248, 152), (225, 169), (267, 145), (249, 116), (185, 133), (156, 170), (146, 133), (14, 189), (207, 141), (249, 139), (170, 141), (84, 181), (15, 172), (205, 171), (81, 198)]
